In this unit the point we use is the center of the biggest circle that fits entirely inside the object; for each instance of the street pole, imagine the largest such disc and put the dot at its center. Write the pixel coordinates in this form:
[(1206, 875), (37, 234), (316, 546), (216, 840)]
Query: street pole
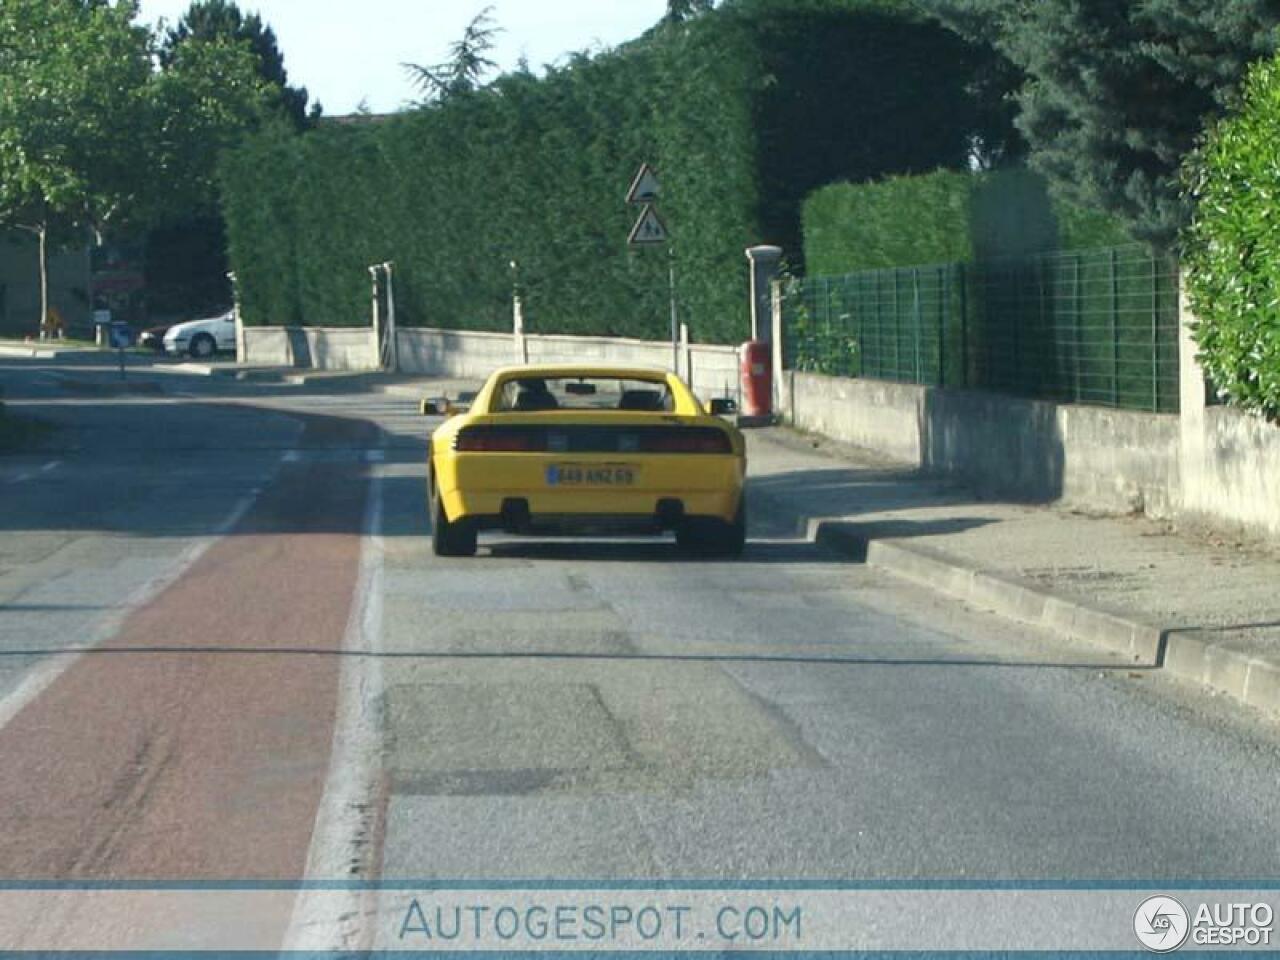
[(675, 314)]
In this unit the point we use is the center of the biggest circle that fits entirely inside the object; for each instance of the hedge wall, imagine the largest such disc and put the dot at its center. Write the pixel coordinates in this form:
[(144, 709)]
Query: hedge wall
[(1233, 248), (944, 217), (744, 111)]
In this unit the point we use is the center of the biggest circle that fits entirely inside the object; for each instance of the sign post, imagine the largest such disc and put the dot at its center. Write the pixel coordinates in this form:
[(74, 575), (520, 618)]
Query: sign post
[(120, 339), (650, 231)]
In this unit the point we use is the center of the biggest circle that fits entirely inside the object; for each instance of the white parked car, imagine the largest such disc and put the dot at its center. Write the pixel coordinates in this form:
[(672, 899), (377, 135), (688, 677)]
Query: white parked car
[(202, 338)]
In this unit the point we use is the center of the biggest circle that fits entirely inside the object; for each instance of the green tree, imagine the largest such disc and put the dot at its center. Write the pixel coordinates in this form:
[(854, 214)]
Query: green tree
[(221, 22), (221, 75), (678, 11), (73, 116), (467, 66), (209, 95), (206, 99), (1116, 93)]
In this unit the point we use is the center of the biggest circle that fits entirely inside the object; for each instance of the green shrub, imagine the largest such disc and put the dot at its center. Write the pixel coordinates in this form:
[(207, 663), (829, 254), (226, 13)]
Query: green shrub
[(1233, 248), (945, 217), (899, 221), (743, 111)]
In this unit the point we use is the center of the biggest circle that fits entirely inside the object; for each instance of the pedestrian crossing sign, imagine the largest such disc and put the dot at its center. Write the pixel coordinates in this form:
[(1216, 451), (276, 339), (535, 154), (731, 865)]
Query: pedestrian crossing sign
[(649, 229)]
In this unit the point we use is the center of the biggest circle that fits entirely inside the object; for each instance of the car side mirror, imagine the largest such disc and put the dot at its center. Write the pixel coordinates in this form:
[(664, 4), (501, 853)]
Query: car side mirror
[(723, 406)]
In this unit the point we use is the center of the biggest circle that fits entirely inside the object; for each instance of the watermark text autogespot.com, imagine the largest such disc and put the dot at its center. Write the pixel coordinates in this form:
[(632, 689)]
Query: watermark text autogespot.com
[(428, 921)]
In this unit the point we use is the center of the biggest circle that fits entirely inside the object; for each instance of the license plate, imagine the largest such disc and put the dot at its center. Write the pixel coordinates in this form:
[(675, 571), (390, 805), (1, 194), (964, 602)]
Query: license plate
[(592, 475)]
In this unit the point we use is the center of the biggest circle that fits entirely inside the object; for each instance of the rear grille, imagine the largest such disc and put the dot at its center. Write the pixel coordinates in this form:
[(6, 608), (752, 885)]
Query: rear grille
[(583, 439)]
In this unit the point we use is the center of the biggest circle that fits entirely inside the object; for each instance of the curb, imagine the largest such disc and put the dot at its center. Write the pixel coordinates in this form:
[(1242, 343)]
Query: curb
[(401, 390), (1188, 657), (45, 351), (28, 353)]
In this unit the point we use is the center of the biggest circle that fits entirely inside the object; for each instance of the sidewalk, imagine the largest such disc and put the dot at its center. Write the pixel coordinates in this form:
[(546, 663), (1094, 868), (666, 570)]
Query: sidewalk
[(1206, 608)]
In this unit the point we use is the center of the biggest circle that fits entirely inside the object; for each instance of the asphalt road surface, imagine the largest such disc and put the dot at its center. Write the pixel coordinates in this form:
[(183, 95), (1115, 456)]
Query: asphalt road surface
[(226, 652)]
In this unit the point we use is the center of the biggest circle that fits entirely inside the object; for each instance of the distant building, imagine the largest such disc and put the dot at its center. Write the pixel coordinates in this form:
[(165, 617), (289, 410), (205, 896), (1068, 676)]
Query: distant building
[(70, 286)]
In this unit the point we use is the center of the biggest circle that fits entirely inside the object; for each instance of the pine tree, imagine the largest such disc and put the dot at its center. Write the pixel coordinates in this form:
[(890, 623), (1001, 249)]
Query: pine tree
[(1116, 92), (212, 20), (468, 62), (678, 11)]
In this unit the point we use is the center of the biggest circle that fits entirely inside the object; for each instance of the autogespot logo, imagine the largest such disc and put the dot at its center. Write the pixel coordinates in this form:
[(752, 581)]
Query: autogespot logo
[(1162, 924)]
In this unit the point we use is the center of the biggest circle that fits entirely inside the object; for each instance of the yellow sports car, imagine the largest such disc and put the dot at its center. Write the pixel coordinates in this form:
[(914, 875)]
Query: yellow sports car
[(588, 450)]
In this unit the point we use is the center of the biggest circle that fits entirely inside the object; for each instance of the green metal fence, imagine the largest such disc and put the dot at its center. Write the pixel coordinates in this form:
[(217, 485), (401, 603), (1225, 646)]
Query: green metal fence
[(1097, 327)]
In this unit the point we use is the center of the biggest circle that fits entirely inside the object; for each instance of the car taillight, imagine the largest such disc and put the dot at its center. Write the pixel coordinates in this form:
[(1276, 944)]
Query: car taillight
[(494, 441), (686, 441)]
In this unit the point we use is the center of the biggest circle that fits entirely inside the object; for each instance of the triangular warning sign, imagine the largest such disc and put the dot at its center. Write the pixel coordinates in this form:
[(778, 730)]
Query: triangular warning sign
[(649, 229), (645, 187)]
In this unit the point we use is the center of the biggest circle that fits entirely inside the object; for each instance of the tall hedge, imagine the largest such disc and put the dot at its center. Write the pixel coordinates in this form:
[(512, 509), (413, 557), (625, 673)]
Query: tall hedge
[(1233, 248), (944, 217), (743, 111)]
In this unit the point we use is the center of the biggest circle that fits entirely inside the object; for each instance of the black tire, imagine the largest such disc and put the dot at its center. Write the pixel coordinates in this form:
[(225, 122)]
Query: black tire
[(734, 535), (709, 537), (450, 539), (202, 346)]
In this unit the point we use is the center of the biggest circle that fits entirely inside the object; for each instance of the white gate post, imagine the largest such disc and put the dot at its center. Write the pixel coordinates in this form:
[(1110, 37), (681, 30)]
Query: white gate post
[(241, 347), (377, 318), (781, 396), (392, 333), (766, 263), (517, 317)]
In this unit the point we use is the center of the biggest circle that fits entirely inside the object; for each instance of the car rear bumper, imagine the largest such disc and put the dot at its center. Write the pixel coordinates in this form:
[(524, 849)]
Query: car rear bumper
[(655, 511), (484, 487)]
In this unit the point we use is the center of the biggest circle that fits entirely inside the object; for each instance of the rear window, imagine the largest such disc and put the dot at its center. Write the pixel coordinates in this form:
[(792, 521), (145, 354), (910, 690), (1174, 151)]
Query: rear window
[(535, 394)]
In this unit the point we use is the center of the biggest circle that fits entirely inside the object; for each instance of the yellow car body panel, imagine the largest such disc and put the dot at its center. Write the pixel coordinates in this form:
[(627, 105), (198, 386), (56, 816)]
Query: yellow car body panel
[(474, 484)]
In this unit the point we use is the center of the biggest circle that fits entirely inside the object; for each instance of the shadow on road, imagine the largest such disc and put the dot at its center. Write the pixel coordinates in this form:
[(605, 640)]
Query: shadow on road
[(785, 504), (653, 551)]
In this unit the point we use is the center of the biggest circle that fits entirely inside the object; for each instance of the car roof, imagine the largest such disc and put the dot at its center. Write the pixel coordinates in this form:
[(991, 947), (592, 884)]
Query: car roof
[(570, 371)]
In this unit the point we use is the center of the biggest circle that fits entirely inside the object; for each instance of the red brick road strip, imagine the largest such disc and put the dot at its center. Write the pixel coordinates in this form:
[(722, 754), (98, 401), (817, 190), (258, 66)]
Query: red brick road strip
[(194, 745)]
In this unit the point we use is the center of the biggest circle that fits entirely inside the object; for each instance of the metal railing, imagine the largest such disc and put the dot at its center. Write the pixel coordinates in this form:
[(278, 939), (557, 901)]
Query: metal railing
[(1095, 327)]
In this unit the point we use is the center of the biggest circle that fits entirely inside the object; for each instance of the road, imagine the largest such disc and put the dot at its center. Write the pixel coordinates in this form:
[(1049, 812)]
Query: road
[(226, 652)]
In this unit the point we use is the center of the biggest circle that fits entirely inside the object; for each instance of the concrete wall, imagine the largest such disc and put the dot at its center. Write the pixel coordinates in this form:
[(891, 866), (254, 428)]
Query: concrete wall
[(1231, 471), (879, 416), (1230, 461), (1213, 464), (453, 353), (321, 348), (711, 369), (1003, 446)]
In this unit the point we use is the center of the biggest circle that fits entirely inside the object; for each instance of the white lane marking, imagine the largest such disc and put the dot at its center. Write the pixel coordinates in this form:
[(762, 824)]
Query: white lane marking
[(291, 456), (328, 919), (51, 466), (42, 676), (21, 478)]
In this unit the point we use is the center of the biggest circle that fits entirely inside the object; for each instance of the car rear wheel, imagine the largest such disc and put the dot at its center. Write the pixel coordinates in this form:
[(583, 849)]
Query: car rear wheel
[(709, 537), (450, 539), (203, 346)]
